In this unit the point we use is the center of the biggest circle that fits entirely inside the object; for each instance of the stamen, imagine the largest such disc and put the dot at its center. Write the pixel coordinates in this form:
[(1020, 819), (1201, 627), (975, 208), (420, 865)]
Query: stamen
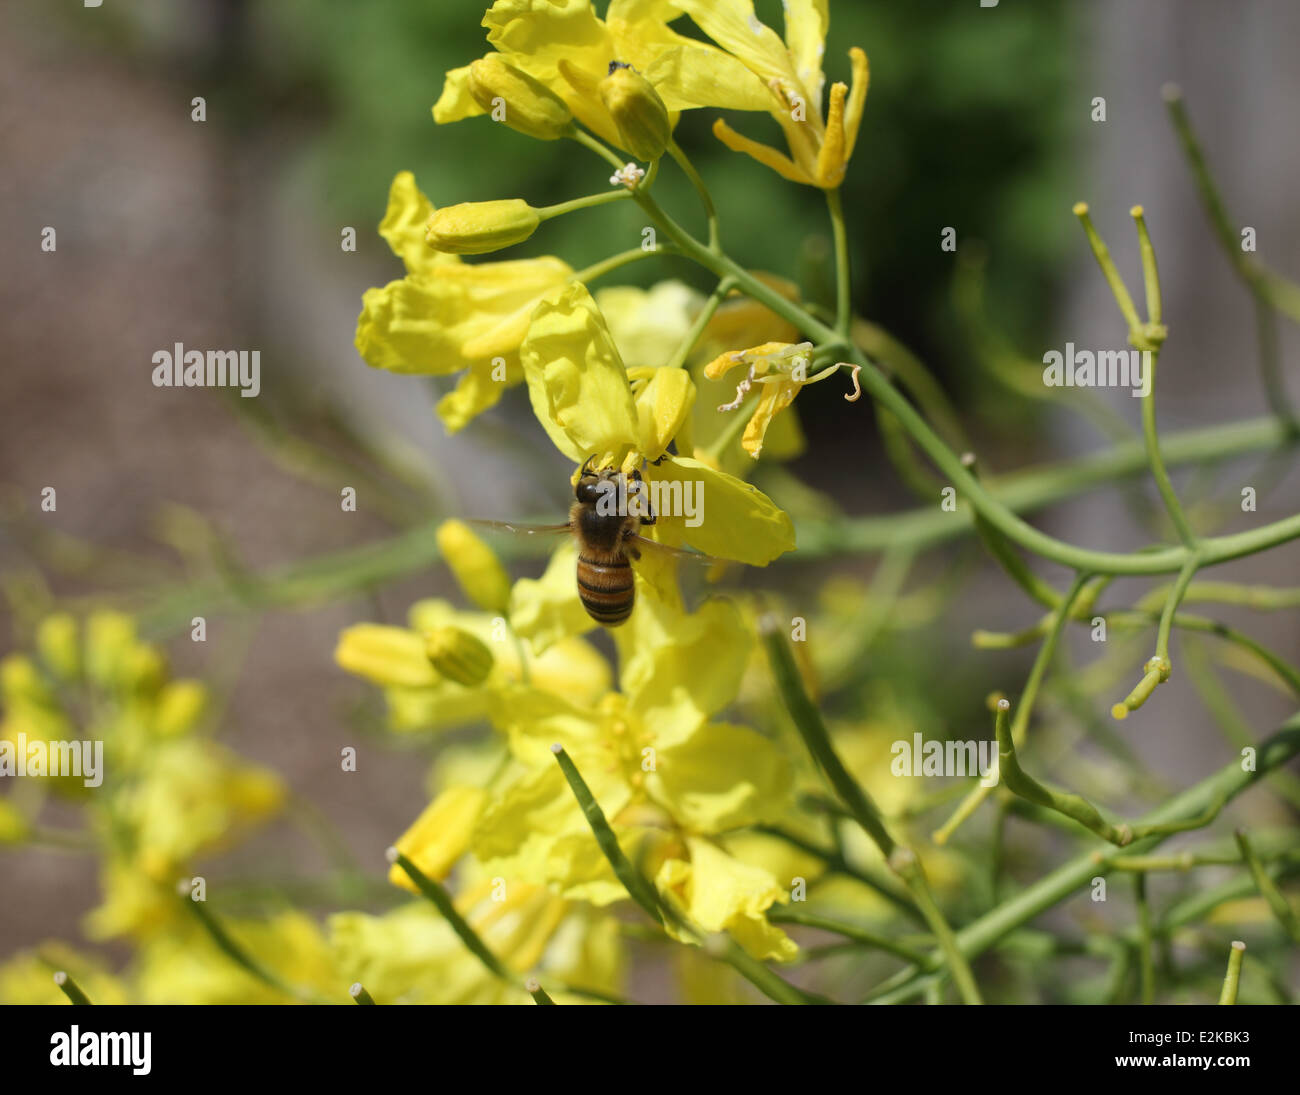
[(742, 390), (857, 388), (628, 175)]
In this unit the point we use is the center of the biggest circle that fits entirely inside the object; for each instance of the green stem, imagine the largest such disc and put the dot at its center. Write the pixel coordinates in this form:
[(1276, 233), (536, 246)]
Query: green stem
[(71, 989), (641, 891), (1019, 782), (1162, 561), (706, 199), (1158, 469), (1172, 602), (588, 141), (1028, 697), (606, 266), (538, 993), (1146, 968), (701, 321), (1035, 899), (1231, 979), (588, 201), (232, 950), (360, 995), (787, 914), (901, 859), (843, 282), (1268, 889), (441, 900), (1108, 268)]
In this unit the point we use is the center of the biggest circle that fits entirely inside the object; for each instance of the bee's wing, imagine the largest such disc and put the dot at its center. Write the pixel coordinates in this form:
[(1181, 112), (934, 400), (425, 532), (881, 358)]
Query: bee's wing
[(654, 547), (519, 529)]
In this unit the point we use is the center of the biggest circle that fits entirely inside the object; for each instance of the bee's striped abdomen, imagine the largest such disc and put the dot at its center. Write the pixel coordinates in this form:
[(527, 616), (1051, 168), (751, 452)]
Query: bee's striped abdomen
[(606, 589)]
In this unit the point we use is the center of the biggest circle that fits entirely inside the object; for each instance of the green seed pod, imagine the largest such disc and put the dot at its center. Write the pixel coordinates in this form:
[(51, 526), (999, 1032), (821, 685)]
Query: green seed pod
[(458, 655), (518, 100), (474, 228), (637, 110)]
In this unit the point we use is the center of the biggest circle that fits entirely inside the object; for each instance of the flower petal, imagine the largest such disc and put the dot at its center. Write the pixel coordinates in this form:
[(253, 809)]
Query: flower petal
[(404, 223), (456, 102), (721, 777), (764, 154), (738, 521), (662, 407), (720, 893), (576, 380)]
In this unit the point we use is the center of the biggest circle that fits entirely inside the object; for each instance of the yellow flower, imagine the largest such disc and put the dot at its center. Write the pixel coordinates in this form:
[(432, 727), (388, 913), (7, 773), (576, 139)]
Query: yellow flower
[(662, 769), (565, 47), (719, 893), (186, 967), (447, 316), (411, 955), (581, 394), (440, 835), (647, 325), (475, 565), (420, 698), (781, 371), (784, 78), (28, 977)]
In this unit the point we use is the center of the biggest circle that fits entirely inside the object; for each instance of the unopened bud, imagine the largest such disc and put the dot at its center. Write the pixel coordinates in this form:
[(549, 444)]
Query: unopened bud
[(518, 100), (475, 228), (640, 115), (475, 566), (458, 655)]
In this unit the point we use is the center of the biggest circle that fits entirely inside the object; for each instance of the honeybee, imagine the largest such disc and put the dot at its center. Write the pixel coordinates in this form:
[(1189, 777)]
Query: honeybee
[(608, 539)]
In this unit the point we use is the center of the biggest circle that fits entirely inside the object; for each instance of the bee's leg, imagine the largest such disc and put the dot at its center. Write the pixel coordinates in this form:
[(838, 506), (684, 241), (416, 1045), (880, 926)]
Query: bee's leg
[(629, 545), (648, 518), (586, 467), (662, 457)]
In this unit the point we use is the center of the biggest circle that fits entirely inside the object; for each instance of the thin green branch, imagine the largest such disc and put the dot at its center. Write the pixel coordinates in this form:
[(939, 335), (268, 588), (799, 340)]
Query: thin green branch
[(1146, 967), (1268, 889), (1233, 976), (901, 859), (442, 901), (1030, 902)]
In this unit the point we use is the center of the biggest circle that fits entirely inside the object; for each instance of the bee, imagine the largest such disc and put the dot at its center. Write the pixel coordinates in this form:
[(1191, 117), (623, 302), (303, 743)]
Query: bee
[(608, 539)]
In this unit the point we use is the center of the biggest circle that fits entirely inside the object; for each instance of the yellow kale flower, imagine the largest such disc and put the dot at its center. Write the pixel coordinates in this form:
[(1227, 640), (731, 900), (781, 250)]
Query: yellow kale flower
[(421, 698), (782, 77), (567, 49), (447, 316), (411, 955), (583, 397)]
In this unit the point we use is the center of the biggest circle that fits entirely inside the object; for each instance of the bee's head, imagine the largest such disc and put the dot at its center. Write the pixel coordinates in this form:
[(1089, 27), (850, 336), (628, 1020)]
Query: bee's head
[(588, 489)]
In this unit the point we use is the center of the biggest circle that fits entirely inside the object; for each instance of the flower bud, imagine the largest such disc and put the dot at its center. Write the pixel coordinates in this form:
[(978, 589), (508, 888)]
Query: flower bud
[(637, 110), (516, 99), (474, 228), (475, 566), (388, 656), (458, 655)]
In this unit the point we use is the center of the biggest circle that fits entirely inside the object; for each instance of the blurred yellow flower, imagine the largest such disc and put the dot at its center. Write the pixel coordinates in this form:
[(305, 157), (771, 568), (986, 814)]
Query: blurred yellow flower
[(411, 955)]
